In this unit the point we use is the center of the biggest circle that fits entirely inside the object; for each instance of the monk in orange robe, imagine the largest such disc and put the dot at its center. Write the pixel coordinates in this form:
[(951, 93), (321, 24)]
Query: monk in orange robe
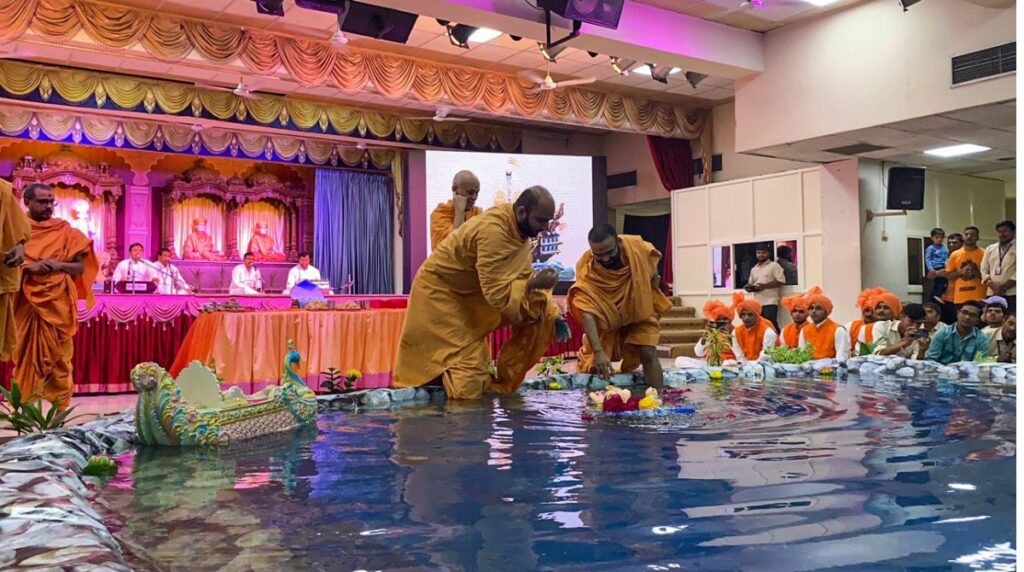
[(617, 299), (797, 307), (199, 244), (449, 216), (14, 232), (755, 333), (826, 338), (59, 270), (261, 245), (478, 280)]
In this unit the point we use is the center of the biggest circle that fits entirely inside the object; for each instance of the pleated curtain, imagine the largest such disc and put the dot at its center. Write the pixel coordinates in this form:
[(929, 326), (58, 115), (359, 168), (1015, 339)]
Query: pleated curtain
[(354, 231)]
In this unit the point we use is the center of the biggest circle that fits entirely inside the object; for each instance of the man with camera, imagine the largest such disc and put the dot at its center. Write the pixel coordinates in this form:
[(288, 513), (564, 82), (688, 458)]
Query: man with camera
[(906, 337)]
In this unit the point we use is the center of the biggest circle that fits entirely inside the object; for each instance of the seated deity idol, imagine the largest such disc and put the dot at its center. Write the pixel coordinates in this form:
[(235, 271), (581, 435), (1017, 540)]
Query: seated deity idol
[(199, 244), (80, 218), (261, 245)]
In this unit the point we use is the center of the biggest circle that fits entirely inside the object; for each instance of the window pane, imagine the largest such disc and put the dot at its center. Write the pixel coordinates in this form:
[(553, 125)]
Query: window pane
[(746, 258), (787, 256), (721, 267), (915, 261)]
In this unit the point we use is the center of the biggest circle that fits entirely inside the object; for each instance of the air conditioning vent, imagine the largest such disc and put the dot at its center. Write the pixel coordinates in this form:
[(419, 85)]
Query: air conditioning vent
[(985, 63)]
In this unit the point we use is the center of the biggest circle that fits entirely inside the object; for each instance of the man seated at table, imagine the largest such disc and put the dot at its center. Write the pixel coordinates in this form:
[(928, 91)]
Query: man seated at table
[(301, 271), (199, 244), (168, 276), (616, 298), (959, 341), (134, 268), (480, 279), (245, 278), (826, 338), (449, 216), (262, 246)]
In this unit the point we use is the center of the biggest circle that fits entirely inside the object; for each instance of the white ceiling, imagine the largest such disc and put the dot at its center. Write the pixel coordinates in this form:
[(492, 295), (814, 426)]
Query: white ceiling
[(991, 126), (771, 14)]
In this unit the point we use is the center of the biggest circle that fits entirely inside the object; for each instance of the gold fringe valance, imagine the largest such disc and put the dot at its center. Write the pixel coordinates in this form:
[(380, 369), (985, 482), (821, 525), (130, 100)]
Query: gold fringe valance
[(315, 63), (82, 88), (109, 131)]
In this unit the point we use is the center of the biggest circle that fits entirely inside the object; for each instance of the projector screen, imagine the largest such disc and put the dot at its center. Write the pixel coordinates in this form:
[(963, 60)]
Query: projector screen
[(504, 176)]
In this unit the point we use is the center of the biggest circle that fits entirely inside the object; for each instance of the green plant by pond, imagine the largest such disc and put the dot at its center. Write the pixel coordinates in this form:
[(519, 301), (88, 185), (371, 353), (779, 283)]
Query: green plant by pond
[(27, 416)]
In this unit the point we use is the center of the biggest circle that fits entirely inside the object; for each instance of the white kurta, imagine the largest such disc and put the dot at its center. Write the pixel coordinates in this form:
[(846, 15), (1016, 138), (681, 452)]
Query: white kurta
[(842, 343), (129, 270), (171, 281), (298, 274), (245, 281)]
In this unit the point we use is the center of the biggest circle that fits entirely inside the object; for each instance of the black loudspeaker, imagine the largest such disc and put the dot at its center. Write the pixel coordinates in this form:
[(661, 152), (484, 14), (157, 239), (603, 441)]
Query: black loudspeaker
[(366, 20), (906, 189), (603, 13)]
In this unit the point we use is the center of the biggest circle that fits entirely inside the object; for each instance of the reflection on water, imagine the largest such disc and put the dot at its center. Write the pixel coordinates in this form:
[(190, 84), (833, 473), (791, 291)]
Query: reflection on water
[(777, 475)]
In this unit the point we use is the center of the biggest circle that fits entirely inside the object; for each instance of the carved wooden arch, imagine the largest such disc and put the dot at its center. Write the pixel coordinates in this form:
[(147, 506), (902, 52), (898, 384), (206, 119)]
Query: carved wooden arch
[(65, 167), (199, 180)]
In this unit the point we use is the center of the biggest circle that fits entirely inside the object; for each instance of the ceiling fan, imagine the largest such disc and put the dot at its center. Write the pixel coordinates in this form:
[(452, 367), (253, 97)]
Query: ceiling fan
[(241, 90), (546, 83), (441, 114), (760, 4)]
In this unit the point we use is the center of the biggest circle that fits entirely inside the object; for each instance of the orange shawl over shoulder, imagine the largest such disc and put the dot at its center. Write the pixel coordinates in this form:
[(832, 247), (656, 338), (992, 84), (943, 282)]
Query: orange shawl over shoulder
[(821, 338), (54, 297), (442, 222), (14, 229), (617, 298)]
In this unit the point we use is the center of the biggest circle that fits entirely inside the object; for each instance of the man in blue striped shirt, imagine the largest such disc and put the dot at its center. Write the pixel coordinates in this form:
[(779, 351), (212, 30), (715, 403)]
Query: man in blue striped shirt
[(960, 341)]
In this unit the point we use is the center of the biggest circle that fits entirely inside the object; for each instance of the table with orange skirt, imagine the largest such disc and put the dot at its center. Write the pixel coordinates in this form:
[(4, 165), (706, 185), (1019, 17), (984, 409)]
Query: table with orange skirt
[(248, 348)]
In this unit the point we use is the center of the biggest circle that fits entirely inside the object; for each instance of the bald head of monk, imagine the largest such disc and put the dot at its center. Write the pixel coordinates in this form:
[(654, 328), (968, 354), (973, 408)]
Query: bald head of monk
[(534, 210), (40, 201), (466, 185), (604, 246)]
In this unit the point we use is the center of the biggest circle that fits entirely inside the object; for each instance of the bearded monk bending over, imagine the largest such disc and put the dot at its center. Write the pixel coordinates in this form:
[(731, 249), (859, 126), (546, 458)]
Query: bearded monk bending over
[(616, 298), (477, 280), (59, 269)]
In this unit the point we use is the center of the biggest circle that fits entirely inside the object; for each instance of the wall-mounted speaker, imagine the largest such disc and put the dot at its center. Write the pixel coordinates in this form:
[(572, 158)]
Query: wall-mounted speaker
[(906, 189), (604, 13)]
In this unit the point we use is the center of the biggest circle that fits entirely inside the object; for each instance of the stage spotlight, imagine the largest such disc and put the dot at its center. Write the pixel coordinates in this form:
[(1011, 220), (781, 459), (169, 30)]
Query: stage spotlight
[(458, 34), (592, 54), (694, 78), (661, 73), (364, 19), (271, 7), (621, 65), (515, 38), (906, 4), (550, 53)]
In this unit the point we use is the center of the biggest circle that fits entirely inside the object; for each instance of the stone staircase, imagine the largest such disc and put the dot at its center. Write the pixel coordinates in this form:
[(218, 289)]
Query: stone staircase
[(681, 329)]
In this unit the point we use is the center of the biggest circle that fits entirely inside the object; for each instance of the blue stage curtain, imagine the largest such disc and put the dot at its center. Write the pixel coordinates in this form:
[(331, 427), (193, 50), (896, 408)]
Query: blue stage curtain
[(353, 230)]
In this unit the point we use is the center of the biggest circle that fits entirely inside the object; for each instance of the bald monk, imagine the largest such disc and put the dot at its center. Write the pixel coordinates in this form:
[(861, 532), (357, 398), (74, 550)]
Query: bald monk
[(826, 338), (479, 279), (617, 299), (797, 307), (261, 245), (755, 333), (14, 232), (59, 270), (199, 244), (449, 216)]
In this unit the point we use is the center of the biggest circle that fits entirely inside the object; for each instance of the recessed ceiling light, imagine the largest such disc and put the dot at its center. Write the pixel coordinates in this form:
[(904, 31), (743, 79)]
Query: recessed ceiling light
[(820, 3), (483, 35), (646, 70), (956, 150)]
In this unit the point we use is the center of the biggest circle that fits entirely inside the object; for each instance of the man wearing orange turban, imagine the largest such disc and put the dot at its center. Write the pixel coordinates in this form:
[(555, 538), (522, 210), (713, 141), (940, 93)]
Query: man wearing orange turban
[(796, 305), (887, 306), (449, 216), (754, 333), (860, 330), (719, 317), (826, 338), (616, 298), (60, 267)]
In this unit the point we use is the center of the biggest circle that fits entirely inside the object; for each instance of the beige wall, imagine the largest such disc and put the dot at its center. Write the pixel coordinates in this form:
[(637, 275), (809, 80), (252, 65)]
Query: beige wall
[(737, 165), (808, 205), (868, 65), (951, 202), (559, 143)]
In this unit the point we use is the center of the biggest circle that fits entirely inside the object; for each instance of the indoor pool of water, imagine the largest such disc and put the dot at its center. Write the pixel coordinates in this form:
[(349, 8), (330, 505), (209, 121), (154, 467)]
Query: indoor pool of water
[(777, 475)]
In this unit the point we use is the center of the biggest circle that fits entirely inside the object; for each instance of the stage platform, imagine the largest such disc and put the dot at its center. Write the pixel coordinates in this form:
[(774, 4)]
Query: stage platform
[(123, 330)]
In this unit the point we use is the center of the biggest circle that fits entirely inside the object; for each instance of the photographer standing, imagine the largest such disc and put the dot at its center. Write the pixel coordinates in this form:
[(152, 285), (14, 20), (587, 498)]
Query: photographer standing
[(766, 281)]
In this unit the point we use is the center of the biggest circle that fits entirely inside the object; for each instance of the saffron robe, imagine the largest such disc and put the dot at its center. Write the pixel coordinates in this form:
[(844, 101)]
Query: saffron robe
[(46, 312), (474, 283), (14, 229), (199, 246), (442, 222), (625, 306), (262, 248)]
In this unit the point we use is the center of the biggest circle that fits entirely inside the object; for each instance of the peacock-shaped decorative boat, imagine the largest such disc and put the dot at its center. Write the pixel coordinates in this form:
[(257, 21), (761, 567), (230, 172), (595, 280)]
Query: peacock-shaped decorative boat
[(192, 411)]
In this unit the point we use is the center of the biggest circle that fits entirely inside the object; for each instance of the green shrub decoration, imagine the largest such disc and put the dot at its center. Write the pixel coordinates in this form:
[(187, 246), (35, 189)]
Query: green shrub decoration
[(866, 348), (551, 366), (25, 417), (716, 344), (782, 354), (100, 466)]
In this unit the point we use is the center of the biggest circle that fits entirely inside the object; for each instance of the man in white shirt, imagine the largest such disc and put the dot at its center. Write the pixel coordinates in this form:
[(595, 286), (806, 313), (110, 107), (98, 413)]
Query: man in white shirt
[(245, 278), (170, 280), (302, 271), (999, 265), (907, 337), (134, 268), (765, 282)]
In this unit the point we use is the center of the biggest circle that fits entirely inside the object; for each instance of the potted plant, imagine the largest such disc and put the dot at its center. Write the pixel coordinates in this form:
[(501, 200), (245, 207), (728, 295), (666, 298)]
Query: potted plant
[(331, 380), (351, 377), (27, 417)]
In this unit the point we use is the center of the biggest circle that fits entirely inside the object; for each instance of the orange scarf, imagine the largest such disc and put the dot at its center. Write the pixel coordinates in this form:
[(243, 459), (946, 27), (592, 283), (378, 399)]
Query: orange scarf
[(790, 337), (821, 338), (752, 341)]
